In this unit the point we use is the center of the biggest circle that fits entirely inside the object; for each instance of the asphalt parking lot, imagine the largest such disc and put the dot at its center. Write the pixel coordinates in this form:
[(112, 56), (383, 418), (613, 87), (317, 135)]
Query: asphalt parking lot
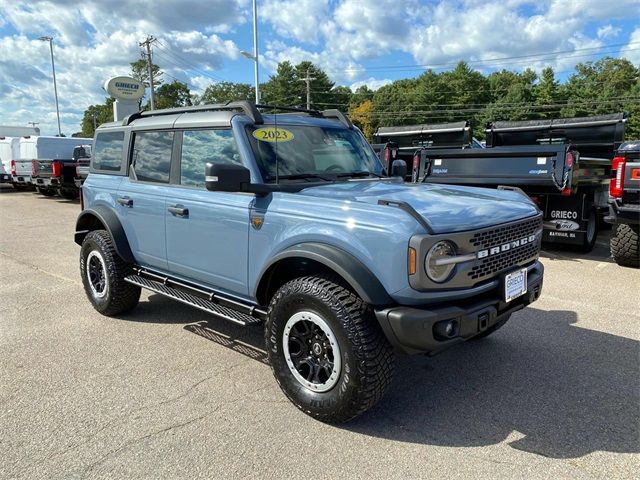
[(166, 392)]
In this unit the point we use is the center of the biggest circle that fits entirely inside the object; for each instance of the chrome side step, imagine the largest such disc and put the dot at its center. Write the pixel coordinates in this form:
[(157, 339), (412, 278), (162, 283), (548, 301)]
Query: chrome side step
[(212, 305)]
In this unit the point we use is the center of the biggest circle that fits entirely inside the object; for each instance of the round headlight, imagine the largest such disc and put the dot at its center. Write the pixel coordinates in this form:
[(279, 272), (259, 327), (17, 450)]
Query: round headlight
[(436, 265)]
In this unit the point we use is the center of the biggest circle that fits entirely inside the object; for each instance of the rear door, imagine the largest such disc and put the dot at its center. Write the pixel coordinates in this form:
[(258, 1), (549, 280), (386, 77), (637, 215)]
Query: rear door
[(141, 197), (207, 232)]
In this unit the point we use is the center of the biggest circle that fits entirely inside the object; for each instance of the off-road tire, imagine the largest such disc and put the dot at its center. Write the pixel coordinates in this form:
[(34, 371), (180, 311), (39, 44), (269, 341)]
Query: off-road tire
[(120, 296), (492, 328), (68, 193), (367, 358), (47, 192), (624, 245)]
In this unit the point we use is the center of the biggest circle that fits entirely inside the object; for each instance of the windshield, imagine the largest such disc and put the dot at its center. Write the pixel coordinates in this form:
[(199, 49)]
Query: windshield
[(304, 152)]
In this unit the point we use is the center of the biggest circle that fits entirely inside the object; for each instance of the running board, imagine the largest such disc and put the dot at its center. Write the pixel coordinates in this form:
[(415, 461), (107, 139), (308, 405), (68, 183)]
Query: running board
[(233, 311)]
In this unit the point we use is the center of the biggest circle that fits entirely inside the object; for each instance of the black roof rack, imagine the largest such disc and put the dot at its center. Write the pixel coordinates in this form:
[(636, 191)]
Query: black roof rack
[(331, 113), (247, 107)]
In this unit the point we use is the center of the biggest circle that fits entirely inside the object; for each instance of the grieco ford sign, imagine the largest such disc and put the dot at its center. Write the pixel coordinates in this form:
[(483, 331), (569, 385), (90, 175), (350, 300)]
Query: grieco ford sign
[(124, 88)]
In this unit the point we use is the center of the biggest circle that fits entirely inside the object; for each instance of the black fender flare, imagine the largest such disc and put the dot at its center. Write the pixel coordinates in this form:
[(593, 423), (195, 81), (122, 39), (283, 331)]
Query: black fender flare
[(109, 220), (352, 270)]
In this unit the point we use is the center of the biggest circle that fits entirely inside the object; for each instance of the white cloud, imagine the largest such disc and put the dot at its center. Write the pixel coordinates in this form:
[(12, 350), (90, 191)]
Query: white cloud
[(297, 19), (608, 31), (94, 40), (371, 82), (632, 51)]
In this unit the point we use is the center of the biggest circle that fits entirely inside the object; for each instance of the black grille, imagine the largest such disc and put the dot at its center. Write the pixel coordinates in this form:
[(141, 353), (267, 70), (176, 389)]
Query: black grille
[(500, 236)]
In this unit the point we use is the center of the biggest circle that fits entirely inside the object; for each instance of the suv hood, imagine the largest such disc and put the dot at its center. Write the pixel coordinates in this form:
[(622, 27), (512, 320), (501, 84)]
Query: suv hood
[(447, 208)]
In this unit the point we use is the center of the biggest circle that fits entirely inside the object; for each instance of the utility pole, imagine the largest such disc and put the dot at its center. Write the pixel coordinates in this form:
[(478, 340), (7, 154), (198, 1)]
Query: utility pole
[(147, 43), (307, 80)]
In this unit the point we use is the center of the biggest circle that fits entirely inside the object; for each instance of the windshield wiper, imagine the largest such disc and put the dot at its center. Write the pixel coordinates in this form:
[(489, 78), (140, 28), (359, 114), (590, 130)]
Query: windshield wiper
[(359, 173), (305, 176)]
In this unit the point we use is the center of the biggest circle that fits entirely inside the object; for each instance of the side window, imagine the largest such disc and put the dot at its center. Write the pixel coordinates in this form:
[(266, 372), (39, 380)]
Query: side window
[(151, 156), (200, 147), (109, 150)]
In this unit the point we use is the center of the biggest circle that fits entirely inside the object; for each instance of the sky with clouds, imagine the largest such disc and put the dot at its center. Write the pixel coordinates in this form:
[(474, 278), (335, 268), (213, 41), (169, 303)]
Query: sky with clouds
[(356, 42)]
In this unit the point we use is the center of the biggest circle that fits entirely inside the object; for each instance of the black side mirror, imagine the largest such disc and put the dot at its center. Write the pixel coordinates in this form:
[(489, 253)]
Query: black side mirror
[(226, 177), (399, 169)]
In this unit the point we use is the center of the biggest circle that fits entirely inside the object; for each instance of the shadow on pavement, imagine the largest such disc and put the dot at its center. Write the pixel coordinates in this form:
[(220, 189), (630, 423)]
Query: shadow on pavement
[(560, 391), (550, 387)]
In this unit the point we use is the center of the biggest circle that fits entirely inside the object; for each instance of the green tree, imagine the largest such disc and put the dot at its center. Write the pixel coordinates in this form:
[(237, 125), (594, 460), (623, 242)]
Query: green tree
[(96, 115), (174, 94), (226, 91), (140, 71), (547, 92), (281, 89)]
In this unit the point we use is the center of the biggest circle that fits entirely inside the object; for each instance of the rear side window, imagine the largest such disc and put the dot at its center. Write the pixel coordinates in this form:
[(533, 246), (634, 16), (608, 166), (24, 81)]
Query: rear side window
[(151, 156), (109, 149), (200, 147)]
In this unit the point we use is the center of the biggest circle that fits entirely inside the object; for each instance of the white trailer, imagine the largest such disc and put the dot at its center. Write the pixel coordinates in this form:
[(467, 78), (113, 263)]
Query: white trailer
[(14, 131)]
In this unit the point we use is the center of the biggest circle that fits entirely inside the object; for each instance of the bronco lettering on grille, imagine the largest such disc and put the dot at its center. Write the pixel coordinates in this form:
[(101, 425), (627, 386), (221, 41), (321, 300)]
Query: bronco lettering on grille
[(506, 246)]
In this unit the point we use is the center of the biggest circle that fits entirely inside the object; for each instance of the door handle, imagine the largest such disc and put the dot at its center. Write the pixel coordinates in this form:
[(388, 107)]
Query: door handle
[(179, 211), (126, 201)]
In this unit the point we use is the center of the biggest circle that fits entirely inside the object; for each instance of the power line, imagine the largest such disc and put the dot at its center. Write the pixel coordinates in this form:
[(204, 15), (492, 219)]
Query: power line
[(192, 66), (488, 60)]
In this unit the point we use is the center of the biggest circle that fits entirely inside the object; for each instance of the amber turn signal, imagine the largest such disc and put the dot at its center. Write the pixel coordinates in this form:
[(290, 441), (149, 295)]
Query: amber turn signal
[(412, 261)]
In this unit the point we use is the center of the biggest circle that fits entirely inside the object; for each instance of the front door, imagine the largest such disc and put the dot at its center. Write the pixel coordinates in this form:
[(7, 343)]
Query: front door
[(207, 232)]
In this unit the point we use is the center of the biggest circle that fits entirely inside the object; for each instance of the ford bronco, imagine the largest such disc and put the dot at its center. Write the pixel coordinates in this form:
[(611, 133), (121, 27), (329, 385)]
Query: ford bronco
[(289, 220)]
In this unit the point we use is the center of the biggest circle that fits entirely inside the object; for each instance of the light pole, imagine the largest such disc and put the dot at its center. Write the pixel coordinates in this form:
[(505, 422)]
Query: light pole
[(55, 86), (254, 57)]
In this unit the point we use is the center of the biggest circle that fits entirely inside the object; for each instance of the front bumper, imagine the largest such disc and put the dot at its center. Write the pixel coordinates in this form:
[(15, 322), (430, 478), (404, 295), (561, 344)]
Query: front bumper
[(413, 329)]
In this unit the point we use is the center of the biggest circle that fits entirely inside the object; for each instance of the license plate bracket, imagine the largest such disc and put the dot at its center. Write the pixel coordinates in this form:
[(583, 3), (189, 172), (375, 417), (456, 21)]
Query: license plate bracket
[(515, 284)]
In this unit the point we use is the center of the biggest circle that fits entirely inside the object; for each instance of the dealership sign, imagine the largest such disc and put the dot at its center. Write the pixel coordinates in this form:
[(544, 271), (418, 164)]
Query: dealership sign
[(124, 88)]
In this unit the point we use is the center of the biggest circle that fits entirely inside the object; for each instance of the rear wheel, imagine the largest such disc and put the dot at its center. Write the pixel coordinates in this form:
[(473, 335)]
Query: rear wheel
[(21, 187), (326, 349), (68, 193), (103, 272), (591, 233), (47, 192), (624, 245)]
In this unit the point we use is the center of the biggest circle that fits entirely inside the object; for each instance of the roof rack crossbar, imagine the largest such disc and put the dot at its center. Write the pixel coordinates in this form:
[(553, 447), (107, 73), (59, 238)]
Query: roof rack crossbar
[(247, 107)]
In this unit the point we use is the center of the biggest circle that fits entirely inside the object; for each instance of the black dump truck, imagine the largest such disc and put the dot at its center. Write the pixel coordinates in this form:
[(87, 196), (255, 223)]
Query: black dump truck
[(624, 205), (563, 165)]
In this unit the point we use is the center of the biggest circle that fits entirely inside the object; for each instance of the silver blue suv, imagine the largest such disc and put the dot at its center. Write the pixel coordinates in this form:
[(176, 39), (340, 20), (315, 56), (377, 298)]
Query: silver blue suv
[(289, 220)]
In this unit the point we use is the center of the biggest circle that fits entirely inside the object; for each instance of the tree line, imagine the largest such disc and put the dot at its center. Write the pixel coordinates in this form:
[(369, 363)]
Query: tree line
[(608, 85)]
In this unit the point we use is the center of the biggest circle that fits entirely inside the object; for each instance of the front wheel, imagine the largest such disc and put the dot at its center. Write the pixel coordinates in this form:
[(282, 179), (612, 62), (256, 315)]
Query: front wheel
[(47, 192), (103, 272), (326, 349)]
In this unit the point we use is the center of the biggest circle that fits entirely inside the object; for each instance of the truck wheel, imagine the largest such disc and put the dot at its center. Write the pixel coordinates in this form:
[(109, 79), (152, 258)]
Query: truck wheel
[(19, 187), (326, 349), (68, 193), (47, 192), (624, 245), (496, 326), (591, 234), (103, 272)]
